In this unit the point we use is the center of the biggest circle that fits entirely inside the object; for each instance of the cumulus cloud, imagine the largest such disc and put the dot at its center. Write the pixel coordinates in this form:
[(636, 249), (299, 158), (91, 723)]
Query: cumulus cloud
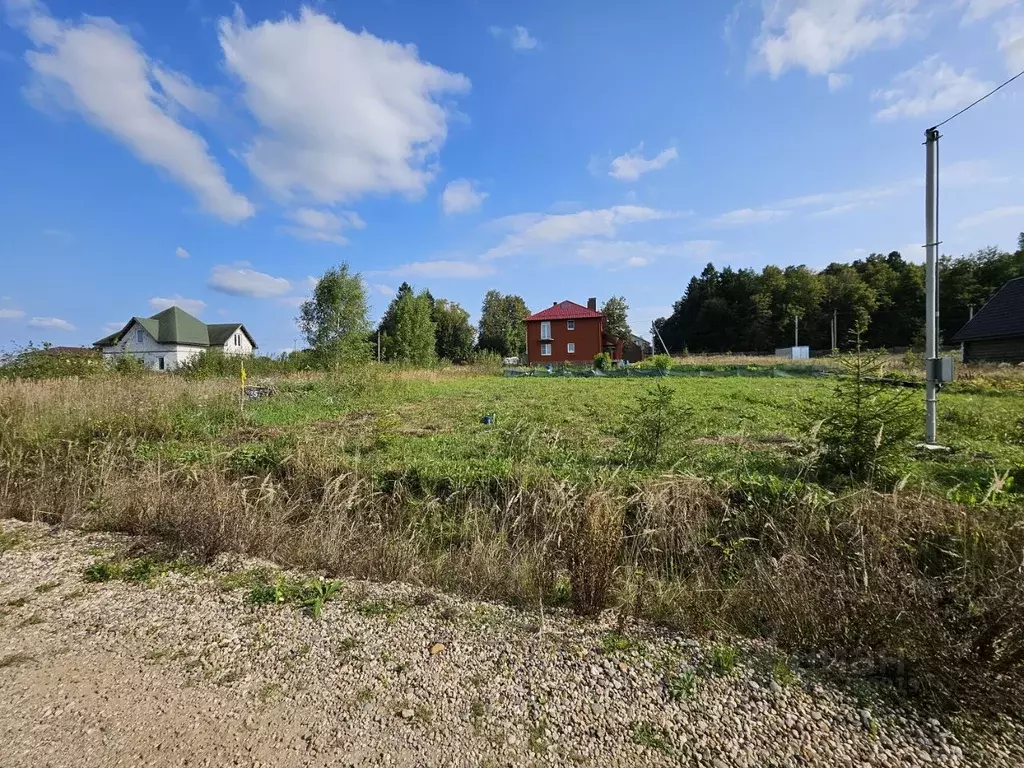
[(533, 231), (313, 224), (239, 280), (192, 306), (461, 196), (632, 165), (820, 36), (181, 253), (96, 68), (519, 37), (11, 314), (51, 324), (748, 216), (341, 114), (928, 88)]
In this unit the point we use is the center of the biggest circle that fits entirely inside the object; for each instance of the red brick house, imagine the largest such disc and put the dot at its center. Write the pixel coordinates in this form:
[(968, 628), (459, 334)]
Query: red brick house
[(568, 332)]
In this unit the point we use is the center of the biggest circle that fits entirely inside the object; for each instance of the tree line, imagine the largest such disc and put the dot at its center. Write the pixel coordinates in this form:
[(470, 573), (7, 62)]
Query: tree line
[(417, 328), (743, 310)]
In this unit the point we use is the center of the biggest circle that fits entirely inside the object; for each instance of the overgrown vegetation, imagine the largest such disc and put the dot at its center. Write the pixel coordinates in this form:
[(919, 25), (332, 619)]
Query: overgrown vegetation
[(391, 475)]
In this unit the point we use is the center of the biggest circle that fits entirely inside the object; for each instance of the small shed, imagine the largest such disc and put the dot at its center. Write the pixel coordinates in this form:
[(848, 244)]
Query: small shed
[(794, 353), (996, 333)]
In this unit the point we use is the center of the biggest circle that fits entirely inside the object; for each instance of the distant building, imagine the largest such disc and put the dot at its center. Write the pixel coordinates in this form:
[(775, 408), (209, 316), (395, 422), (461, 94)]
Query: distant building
[(568, 332), (996, 333), (636, 349), (169, 338)]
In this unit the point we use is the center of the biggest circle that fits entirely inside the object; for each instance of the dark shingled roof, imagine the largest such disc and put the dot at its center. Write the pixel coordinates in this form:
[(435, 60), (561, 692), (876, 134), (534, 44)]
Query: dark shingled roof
[(1001, 317)]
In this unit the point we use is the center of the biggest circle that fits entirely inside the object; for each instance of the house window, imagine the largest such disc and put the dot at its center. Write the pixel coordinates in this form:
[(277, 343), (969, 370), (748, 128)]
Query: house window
[(545, 330), (160, 363), (238, 339), (140, 335), (545, 350), (570, 325), (571, 348)]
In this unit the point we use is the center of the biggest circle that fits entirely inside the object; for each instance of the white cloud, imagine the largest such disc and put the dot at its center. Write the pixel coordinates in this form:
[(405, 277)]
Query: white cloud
[(383, 290), (842, 208), (11, 314), (996, 214), (442, 269), (1011, 43), (748, 216), (620, 253), (182, 91), (837, 81), (976, 10), (192, 306), (928, 88), (96, 68), (239, 280), (822, 35), (534, 231), (181, 253), (461, 196), (51, 324), (518, 36), (632, 165), (341, 113), (315, 224)]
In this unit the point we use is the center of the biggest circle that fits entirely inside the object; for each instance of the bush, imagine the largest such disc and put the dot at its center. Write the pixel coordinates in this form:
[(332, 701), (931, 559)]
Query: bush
[(593, 551), (128, 365), (46, 362), (660, 363), (602, 361)]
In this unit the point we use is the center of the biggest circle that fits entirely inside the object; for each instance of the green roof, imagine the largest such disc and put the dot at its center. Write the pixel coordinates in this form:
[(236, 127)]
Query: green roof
[(176, 326)]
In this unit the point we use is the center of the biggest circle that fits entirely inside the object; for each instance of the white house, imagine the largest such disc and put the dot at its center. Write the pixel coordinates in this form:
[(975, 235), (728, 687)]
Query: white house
[(169, 338)]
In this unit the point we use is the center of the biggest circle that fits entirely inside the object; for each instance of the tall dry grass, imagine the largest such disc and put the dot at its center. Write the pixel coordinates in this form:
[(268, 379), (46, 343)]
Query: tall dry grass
[(913, 582)]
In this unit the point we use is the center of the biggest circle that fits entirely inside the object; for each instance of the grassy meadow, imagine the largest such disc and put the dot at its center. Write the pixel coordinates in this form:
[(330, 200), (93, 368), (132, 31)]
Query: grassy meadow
[(391, 474)]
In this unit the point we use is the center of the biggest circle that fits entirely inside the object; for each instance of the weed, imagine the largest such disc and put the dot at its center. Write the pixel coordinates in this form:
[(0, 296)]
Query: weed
[(348, 644), (538, 736), (8, 541), (613, 643), (724, 658), (389, 609), (231, 676), (681, 685), (19, 602), (364, 695), (782, 674), (102, 571), (313, 595), (13, 659), (649, 427), (646, 734), (424, 713), (47, 586), (269, 692), (35, 618)]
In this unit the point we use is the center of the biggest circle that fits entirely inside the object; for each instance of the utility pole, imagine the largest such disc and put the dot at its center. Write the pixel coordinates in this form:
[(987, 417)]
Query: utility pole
[(378, 345), (931, 283), (796, 330), (835, 328)]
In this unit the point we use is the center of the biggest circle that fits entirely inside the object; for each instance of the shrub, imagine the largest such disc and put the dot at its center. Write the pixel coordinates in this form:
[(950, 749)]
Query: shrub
[(593, 550), (602, 361), (659, 363), (128, 365)]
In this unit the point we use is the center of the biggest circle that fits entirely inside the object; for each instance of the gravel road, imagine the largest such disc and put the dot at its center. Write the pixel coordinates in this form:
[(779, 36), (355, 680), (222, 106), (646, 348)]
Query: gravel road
[(185, 671)]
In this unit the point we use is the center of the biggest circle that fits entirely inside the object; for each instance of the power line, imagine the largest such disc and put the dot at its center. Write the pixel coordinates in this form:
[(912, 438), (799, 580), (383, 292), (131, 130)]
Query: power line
[(969, 106)]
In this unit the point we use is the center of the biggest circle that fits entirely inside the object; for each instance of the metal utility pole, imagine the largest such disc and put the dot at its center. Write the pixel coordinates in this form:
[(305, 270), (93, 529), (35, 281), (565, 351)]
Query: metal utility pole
[(835, 327), (796, 330), (931, 283)]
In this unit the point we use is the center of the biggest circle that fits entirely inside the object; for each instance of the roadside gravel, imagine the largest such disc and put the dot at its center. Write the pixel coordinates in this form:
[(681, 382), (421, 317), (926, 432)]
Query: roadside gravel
[(184, 670)]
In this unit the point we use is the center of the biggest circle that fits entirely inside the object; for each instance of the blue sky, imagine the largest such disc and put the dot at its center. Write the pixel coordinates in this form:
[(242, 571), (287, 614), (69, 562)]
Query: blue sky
[(218, 155)]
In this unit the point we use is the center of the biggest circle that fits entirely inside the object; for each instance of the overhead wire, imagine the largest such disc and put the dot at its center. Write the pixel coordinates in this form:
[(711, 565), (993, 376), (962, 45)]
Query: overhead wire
[(976, 103)]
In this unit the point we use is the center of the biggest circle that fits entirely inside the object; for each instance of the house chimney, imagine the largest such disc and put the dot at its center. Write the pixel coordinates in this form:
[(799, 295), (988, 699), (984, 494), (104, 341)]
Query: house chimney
[(554, 304), (592, 304)]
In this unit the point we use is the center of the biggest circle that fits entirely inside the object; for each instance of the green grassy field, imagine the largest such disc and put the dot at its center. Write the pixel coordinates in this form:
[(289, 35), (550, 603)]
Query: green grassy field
[(565, 427)]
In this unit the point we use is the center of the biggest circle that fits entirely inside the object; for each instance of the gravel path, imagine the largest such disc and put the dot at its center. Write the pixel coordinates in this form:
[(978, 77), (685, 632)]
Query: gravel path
[(184, 670)]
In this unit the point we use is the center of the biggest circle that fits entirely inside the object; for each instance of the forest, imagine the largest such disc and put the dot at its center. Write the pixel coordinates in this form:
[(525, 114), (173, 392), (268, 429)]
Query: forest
[(743, 310)]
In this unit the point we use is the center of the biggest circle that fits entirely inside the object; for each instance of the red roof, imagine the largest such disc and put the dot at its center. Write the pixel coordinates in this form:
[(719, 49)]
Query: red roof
[(564, 310)]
